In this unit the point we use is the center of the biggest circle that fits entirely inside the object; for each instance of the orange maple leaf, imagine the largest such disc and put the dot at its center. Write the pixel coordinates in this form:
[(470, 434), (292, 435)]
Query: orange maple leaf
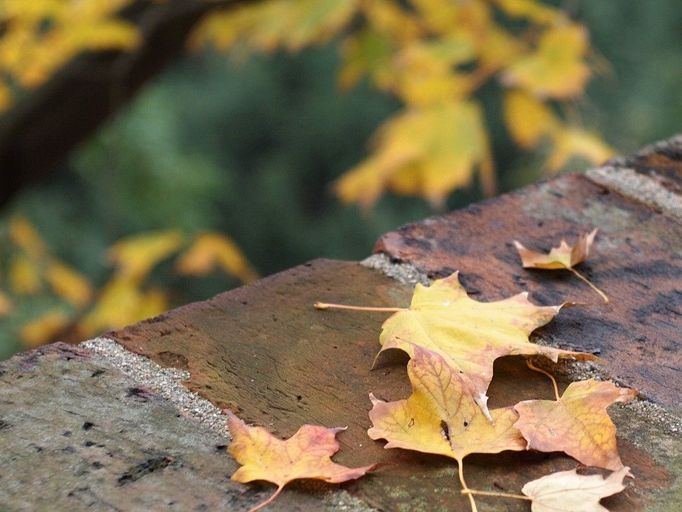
[(576, 424), (306, 454), (564, 257)]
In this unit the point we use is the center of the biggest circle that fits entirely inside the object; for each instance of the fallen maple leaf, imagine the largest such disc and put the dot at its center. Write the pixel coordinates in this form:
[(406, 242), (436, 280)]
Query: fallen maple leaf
[(470, 335), (567, 491), (306, 454), (441, 417), (577, 424), (564, 257)]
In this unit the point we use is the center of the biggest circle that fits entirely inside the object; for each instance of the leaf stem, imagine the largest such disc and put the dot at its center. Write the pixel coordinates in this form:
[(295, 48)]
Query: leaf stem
[(465, 489), (325, 305), (268, 501), (498, 494), (589, 283), (554, 384)]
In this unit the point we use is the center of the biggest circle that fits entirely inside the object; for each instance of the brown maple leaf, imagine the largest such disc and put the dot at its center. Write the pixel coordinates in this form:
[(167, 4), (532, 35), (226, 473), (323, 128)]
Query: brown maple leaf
[(567, 491), (468, 334), (441, 417), (576, 424), (564, 257), (306, 454)]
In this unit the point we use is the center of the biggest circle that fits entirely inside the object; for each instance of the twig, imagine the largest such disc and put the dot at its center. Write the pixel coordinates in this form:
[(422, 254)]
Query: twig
[(589, 283), (324, 305), (535, 368)]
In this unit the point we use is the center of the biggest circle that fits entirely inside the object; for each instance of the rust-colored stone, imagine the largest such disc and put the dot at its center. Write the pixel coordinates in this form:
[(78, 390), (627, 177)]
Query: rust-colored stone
[(265, 352), (635, 260)]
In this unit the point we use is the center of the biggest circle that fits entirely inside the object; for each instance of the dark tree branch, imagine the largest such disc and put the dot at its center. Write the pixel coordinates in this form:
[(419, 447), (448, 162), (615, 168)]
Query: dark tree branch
[(40, 131)]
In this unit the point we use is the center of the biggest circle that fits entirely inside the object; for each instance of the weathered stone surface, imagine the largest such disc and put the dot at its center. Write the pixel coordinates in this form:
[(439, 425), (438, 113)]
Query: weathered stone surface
[(75, 434), (636, 260), (266, 353)]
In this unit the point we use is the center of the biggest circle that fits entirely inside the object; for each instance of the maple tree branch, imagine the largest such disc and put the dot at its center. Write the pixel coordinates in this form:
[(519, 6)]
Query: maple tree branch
[(497, 494), (465, 488), (535, 368), (325, 305), (590, 284), (268, 501)]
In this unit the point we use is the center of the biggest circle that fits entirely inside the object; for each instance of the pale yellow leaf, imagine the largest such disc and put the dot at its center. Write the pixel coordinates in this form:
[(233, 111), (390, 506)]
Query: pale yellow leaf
[(533, 10), (567, 491)]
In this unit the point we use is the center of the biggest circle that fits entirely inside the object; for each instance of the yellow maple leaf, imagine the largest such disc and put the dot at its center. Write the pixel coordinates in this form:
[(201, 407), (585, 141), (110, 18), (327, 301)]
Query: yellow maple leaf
[(556, 69), (425, 151), (44, 328), (527, 118), (577, 424), (468, 334), (211, 250), (69, 284), (135, 256), (567, 491), (441, 416), (306, 454)]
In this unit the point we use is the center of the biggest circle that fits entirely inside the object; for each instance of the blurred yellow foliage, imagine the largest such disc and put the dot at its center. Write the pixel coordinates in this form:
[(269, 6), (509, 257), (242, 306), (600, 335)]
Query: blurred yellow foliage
[(210, 251), (44, 327), (435, 55), (40, 36), (126, 297)]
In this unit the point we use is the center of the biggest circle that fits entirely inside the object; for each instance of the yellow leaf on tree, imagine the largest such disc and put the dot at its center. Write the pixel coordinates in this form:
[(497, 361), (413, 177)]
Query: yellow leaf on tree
[(306, 454), (577, 424), (121, 302), (570, 142), (468, 334), (135, 256), (527, 118), (366, 53), (212, 250), (567, 491), (24, 235), (69, 284), (6, 304), (441, 416), (24, 275), (44, 328), (556, 69), (426, 152)]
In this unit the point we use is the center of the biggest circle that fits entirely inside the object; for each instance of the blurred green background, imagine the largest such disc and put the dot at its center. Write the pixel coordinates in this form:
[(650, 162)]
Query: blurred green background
[(251, 148)]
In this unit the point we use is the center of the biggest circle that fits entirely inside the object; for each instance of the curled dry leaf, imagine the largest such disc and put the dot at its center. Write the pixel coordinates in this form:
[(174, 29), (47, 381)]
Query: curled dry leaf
[(306, 454), (567, 491), (440, 416), (563, 257), (467, 334), (577, 424)]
